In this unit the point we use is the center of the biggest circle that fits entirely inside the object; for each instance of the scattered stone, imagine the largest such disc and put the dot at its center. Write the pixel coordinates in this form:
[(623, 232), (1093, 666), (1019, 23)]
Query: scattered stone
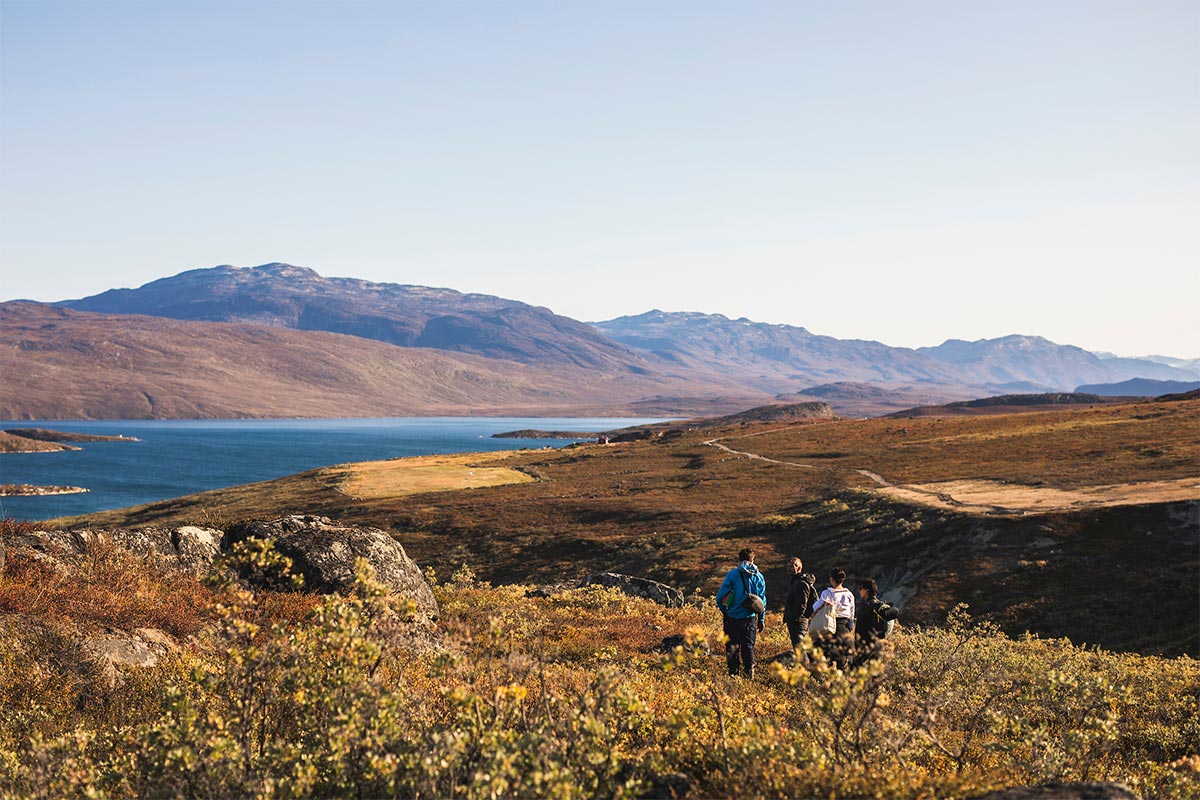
[(638, 587), (1063, 791)]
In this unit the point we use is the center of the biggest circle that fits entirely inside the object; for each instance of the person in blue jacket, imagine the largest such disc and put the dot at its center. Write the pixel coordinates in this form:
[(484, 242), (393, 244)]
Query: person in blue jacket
[(742, 620)]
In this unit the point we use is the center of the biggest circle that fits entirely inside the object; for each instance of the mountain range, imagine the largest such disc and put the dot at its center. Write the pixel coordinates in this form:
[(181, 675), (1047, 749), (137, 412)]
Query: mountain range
[(281, 340)]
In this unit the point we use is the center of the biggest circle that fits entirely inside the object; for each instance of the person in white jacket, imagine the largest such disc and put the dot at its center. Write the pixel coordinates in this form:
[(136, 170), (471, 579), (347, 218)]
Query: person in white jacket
[(841, 599)]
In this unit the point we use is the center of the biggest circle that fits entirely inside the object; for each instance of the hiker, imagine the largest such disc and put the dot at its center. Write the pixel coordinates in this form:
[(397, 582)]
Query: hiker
[(742, 599), (873, 615), (840, 600), (801, 595)]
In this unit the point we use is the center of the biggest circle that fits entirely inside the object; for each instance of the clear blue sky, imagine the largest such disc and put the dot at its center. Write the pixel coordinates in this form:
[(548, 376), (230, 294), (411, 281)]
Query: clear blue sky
[(906, 172)]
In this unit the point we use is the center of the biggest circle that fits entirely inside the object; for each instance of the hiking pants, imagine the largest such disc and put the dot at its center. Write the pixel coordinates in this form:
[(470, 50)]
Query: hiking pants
[(798, 629), (742, 634)]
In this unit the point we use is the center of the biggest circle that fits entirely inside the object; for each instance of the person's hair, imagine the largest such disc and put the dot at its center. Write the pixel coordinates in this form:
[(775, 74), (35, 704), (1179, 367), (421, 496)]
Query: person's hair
[(746, 554), (837, 575), (871, 587)]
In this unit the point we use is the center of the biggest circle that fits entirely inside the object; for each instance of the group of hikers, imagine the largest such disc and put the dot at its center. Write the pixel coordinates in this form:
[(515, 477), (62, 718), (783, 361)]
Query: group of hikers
[(835, 620)]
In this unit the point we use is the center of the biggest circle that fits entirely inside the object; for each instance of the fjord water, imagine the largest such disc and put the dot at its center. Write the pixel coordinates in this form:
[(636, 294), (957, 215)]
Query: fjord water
[(178, 457)]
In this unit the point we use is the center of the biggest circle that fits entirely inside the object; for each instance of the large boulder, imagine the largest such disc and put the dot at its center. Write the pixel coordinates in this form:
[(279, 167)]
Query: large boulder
[(324, 552), (638, 587)]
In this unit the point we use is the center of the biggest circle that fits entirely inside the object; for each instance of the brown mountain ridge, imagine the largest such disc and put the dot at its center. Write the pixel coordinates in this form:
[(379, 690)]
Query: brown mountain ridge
[(64, 364)]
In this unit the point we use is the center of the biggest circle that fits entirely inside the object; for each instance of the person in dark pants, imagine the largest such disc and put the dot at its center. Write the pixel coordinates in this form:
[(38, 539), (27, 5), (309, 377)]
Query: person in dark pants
[(798, 607), (742, 599), (841, 599)]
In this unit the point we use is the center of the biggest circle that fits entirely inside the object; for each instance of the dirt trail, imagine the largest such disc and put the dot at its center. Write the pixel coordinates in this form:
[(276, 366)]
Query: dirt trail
[(998, 498)]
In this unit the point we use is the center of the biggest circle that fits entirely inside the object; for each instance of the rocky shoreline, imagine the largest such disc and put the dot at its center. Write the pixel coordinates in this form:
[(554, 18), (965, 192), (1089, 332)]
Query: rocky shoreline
[(28, 489)]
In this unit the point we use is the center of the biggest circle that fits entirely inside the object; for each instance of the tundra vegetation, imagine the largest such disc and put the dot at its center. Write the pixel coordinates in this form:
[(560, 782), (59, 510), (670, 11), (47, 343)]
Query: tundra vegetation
[(277, 694), (1084, 508)]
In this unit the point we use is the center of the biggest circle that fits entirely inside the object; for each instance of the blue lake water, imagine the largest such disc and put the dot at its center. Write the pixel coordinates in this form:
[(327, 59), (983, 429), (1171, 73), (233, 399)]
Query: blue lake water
[(178, 457)]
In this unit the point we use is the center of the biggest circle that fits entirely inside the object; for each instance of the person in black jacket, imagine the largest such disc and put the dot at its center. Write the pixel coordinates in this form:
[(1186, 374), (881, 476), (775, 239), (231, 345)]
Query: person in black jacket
[(872, 614), (798, 606)]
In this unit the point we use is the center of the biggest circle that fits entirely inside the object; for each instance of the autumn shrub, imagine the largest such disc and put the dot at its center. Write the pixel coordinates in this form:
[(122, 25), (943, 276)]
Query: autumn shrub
[(105, 585), (569, 696)]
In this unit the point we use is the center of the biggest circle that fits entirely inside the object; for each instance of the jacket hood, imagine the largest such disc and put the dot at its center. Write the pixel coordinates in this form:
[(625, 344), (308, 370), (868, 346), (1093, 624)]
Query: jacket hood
[(748, 568), (808, 577)]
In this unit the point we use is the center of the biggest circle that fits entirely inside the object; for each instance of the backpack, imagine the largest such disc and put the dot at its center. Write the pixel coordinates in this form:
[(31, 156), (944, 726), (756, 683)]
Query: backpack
[(883, 628), (753, 603)]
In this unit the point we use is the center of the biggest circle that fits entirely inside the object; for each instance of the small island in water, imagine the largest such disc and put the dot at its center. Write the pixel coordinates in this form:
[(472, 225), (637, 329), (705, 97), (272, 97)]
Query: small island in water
[(41, 440), (28, 489), (46, 435)]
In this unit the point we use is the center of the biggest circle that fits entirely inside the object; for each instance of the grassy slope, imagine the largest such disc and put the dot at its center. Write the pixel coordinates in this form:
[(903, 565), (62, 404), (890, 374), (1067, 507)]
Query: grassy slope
[(677, 509)]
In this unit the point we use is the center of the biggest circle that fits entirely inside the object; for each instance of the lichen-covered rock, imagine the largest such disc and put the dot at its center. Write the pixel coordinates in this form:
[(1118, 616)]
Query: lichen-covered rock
[(115, 650), (324, 552), (638, 587), (1063, 791), (196, 548), (189, 549)]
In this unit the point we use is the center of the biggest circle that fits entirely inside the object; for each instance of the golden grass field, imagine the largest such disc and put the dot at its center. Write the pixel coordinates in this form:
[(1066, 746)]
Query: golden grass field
[(401, 477)]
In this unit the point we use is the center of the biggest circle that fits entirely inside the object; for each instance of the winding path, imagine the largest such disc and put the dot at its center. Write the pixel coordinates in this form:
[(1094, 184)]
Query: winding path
[(901, 491)]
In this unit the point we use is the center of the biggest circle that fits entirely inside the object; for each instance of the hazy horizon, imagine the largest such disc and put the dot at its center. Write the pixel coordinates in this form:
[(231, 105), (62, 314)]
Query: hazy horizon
[(906, 174)]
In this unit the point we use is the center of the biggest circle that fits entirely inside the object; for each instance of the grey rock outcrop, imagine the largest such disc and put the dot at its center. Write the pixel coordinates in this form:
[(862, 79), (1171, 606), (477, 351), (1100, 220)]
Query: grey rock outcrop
[(114, 650), (324, 552), (638, 587), (188, 549), (1063, 791)]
